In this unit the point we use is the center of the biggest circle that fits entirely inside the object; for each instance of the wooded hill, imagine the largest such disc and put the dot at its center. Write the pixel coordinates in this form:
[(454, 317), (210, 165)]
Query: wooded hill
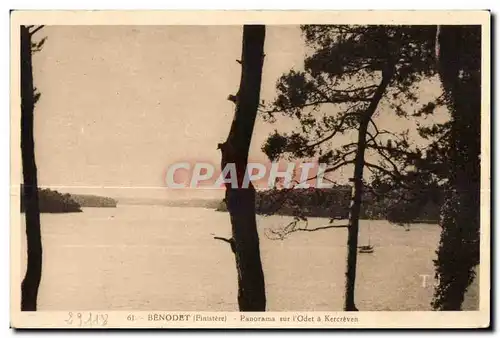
[(334, 203), (52, 201)]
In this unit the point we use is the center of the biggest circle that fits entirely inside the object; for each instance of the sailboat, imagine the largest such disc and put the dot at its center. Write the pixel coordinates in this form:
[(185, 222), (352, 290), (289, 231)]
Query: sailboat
[(367, 248)]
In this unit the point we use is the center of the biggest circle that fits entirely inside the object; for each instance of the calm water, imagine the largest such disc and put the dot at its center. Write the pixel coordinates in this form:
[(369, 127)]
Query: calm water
[(164, 258)]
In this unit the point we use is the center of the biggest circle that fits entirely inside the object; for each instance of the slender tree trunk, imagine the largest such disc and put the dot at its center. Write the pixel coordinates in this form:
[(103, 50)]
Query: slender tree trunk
[(459, 67), (353, 229), (355, 209), (31, 282), (241, 201)]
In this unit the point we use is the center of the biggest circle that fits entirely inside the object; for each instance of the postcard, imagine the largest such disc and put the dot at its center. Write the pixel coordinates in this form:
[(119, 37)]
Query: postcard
[(250, 169)]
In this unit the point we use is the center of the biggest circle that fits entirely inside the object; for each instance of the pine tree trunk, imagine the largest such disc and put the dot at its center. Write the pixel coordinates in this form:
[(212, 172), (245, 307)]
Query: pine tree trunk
[(241, 201), (31, 282), (355, 209), (353, 229), (458, 252)]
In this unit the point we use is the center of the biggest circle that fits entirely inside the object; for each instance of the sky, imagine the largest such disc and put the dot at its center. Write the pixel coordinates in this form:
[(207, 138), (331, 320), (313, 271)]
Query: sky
[(120, 104)]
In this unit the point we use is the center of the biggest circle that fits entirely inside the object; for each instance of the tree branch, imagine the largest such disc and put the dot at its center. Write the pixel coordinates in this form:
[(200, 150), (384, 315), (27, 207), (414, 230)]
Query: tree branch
[(339, 96), (355, 89), (227, 240), (335, 167), (374, 126), (338, 129), (321, 228), (398, 178), (230, 241), (291, 228), (36, 29)]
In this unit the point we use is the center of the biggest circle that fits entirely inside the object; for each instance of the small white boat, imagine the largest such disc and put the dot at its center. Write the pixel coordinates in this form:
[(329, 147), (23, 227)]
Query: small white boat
[(366, 249)]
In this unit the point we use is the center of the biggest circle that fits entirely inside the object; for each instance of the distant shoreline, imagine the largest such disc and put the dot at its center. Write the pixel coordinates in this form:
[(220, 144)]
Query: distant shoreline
[(54, 202), (333, 203)]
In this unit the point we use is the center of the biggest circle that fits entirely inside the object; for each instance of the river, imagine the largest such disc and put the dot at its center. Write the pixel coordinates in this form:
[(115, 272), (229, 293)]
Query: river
[(165, 258)]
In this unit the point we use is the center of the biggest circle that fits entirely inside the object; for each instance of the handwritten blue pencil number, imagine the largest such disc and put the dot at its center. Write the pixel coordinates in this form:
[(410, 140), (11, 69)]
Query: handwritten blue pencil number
[(86, 319)]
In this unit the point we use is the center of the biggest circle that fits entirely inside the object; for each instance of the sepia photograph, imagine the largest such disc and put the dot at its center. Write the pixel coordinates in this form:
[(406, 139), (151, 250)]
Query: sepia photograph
[(243, 170)]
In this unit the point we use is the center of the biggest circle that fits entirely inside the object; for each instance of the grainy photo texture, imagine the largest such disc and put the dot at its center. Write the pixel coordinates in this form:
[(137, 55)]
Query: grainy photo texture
[(253, 174)]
